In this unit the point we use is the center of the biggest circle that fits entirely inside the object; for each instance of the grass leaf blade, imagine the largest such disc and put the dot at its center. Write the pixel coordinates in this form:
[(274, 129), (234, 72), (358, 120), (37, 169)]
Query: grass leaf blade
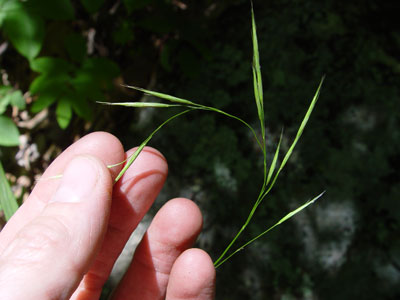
[(7, 200), (162, 96), (274, 161), (298, 135), (302, 125)]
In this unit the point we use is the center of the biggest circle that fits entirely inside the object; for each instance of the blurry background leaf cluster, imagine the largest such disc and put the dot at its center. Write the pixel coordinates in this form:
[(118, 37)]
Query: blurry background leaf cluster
[(58, 57)]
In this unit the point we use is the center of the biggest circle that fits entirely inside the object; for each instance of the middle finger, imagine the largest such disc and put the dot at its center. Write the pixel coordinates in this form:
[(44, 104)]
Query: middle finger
[(132, 197)]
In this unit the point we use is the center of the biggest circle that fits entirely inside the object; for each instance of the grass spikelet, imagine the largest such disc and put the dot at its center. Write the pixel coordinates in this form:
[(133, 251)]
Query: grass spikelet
[(140, 104)]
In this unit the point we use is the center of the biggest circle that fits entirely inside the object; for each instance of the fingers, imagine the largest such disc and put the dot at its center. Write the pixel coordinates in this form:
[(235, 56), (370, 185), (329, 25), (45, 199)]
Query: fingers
[(173, 230), (102, 145), (132, 197), (62, 229), (48, 256), (192, 277)]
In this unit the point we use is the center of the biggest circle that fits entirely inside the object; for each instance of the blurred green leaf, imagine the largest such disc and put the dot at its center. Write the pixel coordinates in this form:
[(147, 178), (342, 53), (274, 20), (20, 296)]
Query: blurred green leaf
[(4, 101), (50, 84), (9, 135), (17, 99), (4, 98), (54, 10), (8, 96), (50, 65), (86, 85), (43, 101), (25, 31), (7, 6), (8, 202), (81, 106), (76, 47), (4, 89), (64, 112), (92, 5)]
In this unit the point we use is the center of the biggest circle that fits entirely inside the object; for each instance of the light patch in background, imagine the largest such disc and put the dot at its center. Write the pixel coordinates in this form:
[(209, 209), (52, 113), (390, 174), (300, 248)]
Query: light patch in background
[(336, 219), (224, 177)]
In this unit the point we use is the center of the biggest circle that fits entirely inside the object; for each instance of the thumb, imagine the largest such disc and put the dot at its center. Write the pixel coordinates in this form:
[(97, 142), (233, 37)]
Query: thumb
[(49, 256)]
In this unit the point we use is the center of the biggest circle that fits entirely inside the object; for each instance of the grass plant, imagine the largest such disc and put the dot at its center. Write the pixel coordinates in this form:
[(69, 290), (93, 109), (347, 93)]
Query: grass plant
[(271, 172)]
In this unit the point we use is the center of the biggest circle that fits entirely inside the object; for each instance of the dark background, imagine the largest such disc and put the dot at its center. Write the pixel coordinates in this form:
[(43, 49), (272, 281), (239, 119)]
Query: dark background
[(346, 246)]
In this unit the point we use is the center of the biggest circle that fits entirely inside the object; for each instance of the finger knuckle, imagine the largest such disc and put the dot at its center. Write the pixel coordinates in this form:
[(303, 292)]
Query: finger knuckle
[(43, 235)]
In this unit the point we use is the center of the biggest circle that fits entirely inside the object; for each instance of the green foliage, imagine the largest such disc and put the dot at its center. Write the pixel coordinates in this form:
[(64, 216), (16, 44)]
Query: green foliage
[(64, 112), (71, 80), (8, 202), (23, 27), (8, 96), (70, 86), (9, 134)]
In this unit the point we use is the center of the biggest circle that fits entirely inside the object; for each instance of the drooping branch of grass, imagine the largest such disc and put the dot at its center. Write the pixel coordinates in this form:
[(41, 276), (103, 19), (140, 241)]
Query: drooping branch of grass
[(285, 218), (144, 143), (270, 175), (129, 161), (179, 103)]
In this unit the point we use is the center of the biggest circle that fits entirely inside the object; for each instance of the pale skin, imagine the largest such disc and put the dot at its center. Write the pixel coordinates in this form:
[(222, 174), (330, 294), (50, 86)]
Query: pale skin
[(63, 241)]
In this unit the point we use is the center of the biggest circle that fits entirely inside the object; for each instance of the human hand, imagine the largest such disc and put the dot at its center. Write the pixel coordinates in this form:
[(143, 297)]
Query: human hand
[(63, 241)]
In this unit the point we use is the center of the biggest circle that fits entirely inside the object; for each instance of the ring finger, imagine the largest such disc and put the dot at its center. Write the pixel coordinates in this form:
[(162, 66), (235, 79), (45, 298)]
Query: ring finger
[(173, 230)]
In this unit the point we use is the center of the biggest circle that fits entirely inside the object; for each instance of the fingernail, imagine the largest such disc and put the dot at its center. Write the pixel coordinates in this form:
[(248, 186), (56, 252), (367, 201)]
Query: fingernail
[(78, 181)]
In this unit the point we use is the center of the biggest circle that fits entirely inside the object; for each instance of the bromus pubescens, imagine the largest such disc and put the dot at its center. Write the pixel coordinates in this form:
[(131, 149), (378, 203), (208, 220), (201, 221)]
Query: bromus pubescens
[(271, 172)]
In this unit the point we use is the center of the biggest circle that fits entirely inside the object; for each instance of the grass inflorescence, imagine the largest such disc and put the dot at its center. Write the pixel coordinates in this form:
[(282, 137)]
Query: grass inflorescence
[(271, 172)]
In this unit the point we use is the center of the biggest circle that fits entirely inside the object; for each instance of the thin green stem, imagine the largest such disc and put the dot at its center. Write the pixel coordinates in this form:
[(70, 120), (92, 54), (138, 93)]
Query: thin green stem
[(144, 143), (208, 108), (248, 219), (285, 218)]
